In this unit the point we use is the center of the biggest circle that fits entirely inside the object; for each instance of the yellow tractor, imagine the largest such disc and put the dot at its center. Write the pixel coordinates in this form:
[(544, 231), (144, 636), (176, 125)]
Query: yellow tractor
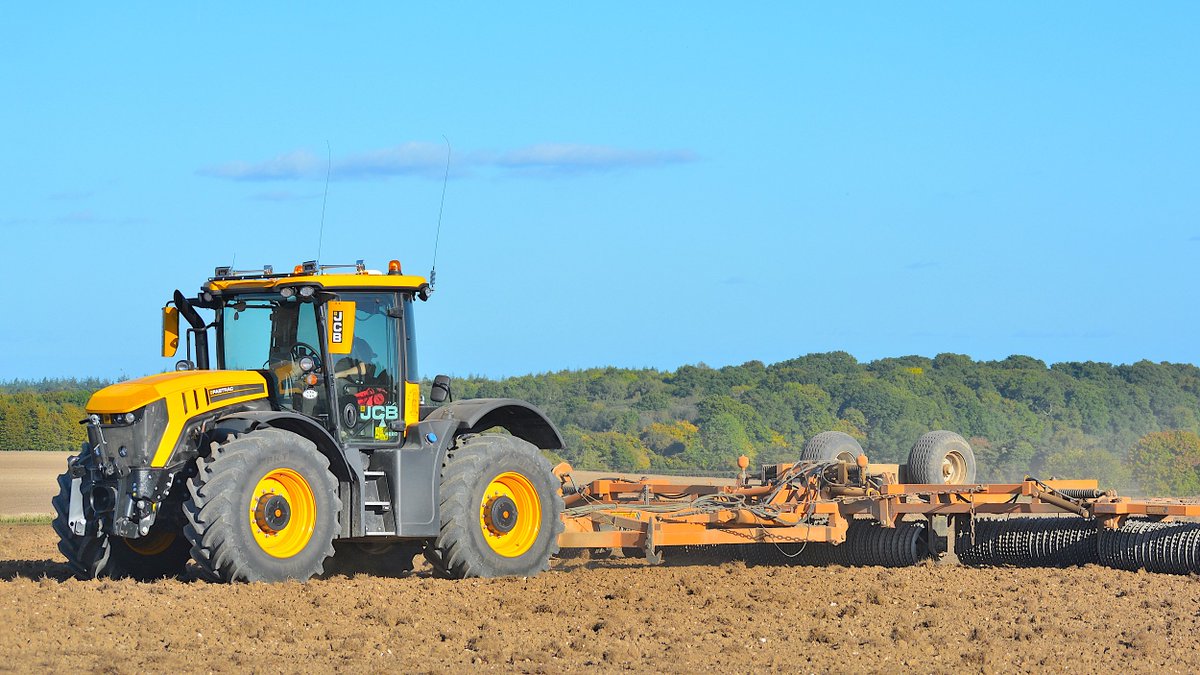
[(296, 422)]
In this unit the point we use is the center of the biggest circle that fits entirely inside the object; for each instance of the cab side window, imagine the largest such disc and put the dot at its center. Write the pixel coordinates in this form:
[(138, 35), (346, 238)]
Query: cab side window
[(368, 378)]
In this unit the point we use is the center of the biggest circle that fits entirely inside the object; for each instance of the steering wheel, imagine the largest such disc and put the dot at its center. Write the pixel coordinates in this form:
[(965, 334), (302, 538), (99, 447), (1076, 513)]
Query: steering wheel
[(301, 349)]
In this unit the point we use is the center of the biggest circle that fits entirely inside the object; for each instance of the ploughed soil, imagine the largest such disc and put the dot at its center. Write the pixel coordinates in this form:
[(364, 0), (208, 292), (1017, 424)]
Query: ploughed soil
[(699, 611)]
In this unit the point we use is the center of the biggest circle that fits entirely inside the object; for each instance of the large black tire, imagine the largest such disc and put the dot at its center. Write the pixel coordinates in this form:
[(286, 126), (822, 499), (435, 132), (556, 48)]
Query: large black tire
[(162, 553), (831, 445), (941, 458), (473, 513), (288, 539)]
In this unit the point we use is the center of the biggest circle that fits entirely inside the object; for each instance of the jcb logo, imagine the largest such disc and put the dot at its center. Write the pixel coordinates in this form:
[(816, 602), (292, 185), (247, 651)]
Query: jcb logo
[(335, 335), (380, 413), (339, 326)]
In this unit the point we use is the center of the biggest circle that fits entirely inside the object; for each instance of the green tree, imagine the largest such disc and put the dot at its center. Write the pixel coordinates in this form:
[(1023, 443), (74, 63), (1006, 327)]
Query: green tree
[(1166, 462)]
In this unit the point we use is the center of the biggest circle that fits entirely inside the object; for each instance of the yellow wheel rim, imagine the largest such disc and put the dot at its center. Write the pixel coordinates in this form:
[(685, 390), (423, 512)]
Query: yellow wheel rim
[(151, 544), (510, 514), (283, 513)]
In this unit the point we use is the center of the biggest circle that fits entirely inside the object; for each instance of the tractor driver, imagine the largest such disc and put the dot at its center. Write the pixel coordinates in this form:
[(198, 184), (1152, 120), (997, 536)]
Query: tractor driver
[(360, 365)]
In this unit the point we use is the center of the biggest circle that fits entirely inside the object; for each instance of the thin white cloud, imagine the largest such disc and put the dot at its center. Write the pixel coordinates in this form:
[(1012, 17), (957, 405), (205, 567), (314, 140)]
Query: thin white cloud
[(293, 165), (429, 160), (576, 157), (405, 159)]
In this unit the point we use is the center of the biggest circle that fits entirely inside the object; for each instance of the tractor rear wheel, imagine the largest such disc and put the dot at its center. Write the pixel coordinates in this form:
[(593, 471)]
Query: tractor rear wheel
[(831, 445), (941, 458), (500, 510), (161, 553), (263, 507)]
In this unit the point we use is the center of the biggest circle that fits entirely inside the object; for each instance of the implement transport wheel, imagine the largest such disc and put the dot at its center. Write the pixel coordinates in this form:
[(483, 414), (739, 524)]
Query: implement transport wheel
[(161, 553), (941, 457), (263, 507), (500, 510), (831, 445)]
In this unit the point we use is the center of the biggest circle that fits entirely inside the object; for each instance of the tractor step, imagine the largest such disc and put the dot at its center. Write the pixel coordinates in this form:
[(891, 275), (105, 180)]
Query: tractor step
[(379, 518)]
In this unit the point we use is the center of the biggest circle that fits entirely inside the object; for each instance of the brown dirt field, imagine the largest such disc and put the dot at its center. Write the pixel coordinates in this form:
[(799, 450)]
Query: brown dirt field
[(28, 481), (601, 615)]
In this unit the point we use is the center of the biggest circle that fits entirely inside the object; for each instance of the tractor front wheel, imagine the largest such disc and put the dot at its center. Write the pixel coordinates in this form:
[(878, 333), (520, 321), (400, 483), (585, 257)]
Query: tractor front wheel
[(163, 552), (263, 507)]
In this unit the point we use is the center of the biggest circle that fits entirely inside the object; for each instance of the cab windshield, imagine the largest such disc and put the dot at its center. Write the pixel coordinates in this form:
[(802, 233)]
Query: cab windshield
[(276, 334)]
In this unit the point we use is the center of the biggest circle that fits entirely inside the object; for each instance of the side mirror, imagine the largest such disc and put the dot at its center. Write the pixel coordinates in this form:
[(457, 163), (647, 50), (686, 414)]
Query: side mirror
[(440, 390), (170, 331)]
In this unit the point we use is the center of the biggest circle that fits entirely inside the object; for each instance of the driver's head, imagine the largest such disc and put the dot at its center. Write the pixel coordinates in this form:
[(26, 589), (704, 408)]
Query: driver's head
[(361, 351)]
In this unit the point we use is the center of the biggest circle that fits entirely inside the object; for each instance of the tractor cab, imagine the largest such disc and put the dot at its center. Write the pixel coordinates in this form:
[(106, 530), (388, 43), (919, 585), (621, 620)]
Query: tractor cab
[(339, 348)]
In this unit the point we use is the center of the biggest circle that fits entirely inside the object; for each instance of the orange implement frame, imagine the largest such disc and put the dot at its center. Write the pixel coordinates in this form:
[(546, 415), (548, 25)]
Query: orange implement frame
[(647, 514), (814, 505)]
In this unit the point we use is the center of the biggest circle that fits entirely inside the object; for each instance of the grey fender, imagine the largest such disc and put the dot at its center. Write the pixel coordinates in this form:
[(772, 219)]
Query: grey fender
[(521, 419), (327, 445)]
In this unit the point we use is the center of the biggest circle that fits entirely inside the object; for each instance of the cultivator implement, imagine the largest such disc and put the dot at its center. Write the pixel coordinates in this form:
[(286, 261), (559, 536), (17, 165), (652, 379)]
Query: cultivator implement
[(854, 513)]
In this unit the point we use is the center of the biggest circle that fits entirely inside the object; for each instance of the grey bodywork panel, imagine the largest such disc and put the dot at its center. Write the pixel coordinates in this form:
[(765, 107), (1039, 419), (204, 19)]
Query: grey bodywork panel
[(414, 471)]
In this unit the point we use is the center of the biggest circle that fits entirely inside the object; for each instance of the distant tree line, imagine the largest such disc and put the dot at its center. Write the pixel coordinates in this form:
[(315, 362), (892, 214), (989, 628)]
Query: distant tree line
[(1134, 427), (44, 415), (1131, 426)]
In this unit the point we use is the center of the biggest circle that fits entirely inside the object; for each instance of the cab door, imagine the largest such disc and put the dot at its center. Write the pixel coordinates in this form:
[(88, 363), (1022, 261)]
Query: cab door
[(364, 334)]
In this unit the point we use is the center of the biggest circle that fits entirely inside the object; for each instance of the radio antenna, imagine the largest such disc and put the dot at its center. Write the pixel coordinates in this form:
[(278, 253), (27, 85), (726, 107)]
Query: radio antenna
[(328, 171), (438, 237)]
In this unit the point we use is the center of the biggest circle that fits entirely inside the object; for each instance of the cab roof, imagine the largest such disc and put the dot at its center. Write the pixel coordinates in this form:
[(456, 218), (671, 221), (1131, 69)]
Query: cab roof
[(227, 280)]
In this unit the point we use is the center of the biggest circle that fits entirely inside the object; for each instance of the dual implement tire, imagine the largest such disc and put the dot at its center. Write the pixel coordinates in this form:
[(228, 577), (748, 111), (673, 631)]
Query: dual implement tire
[(831, 445), (500, 510), (941, 458), (263, 507)]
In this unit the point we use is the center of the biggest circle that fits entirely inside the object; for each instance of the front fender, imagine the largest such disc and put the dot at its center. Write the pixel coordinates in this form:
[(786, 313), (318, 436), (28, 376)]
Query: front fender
[(327, 445)]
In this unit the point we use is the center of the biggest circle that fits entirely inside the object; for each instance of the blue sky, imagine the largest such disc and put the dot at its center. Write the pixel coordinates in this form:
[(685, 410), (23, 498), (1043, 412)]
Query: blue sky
[(642, 184)]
